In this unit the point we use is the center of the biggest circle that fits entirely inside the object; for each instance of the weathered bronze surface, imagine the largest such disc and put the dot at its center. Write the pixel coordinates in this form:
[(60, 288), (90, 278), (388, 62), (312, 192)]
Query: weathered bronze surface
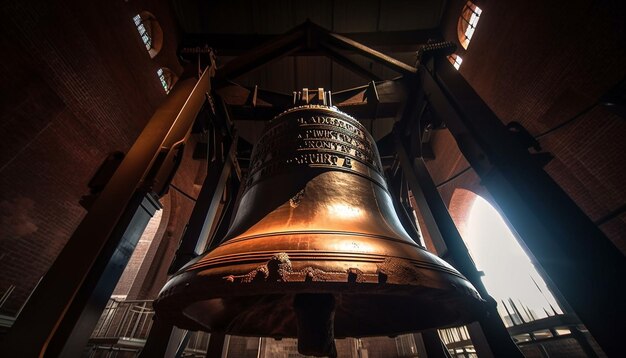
[(316, 218)]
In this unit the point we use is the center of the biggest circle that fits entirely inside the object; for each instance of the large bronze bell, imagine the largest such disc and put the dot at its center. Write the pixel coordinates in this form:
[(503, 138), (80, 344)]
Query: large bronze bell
[(316, 249)]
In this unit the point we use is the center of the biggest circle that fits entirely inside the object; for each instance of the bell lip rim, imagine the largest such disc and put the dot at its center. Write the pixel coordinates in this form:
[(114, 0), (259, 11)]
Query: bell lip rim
[(171, 307), (202, 266), (175, 296), (179, 283)]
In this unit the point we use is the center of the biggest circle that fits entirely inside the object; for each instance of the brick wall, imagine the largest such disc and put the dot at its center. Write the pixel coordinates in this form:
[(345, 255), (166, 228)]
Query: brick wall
[(152, 274), (541, 64), (139, 254), (77, 84)]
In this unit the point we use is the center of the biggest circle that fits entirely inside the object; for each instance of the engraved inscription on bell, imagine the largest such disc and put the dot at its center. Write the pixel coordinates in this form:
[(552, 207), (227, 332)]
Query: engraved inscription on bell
[(300, 137)]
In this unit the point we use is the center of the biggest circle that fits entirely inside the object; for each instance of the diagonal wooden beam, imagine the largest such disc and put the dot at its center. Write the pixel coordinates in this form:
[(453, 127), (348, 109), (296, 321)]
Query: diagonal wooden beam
[(58, 317), (349, 64), (310, 37), (584, 265), (271, 51), (349, 44), (237, 44), (237, 95)]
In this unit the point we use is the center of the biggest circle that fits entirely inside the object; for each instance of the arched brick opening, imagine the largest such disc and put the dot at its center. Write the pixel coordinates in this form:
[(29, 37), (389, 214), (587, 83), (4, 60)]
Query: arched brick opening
[(139, 254), (460, 207), (510, 275), (144, 253), (153, 273)]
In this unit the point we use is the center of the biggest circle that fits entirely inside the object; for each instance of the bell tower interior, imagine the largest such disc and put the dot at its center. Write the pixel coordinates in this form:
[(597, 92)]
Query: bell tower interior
[(440, 178)]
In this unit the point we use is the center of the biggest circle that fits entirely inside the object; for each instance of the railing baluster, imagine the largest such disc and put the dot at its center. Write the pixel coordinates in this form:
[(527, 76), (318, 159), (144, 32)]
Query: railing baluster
[(140, 314), (133, 319), (144, 315), (111, 317), (121, 322)]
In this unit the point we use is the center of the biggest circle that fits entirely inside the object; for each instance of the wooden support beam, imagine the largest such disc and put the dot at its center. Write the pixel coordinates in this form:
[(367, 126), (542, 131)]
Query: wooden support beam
[(386, 91), (271, 51), (586, 269), (46, 312), (235, 94), (433, 345), (349, 44), (346, 62), (357, 102), (443, 231), (204, 212), (232, 188), (82, 316), (218, 342), (395, 185), (237, 44), (164, 340)]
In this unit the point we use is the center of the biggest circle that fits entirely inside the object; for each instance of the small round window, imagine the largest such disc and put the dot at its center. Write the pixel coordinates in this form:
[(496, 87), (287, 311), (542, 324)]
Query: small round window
[(467, 23), (455, 60), (149, 31), (167, 78)]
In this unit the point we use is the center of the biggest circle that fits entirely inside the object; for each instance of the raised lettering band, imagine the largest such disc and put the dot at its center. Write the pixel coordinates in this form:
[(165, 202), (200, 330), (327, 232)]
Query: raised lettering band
[(315, 136)]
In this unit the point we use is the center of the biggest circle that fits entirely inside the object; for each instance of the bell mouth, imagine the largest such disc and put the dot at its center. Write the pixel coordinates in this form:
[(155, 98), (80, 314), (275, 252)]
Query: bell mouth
[(386, 299), (362, 310), (316, 249)]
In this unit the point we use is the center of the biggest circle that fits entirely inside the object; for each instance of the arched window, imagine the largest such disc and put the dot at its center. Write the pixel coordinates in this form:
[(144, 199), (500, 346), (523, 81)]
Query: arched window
[(467, 23), (167, 78), (455, 60), (509, 275), (149, 31)]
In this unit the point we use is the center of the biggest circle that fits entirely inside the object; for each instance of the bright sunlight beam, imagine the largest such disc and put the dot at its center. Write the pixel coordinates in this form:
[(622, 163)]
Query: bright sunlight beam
[(510, 277)]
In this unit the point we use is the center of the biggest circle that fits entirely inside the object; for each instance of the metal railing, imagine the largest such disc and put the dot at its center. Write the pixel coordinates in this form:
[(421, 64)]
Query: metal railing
[(556, 334), (196, 344), (124, 326), (128, 320), (458, 342)]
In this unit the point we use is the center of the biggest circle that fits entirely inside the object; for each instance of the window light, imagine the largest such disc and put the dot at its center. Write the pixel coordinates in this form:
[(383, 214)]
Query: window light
[(455, 60), (161, 75), (468, 22), (141, 28)]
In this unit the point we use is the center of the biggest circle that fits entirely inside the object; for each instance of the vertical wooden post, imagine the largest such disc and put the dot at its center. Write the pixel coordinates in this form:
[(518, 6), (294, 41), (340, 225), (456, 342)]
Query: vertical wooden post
[(54, 304), (433, 345), (218, 343), (440, 224), (82, 317), (163, 340), (204, 211)]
